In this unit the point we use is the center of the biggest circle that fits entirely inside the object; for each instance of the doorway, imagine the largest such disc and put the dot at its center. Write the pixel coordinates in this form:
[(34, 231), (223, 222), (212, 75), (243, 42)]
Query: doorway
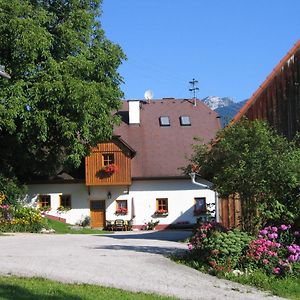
[(97, 209)]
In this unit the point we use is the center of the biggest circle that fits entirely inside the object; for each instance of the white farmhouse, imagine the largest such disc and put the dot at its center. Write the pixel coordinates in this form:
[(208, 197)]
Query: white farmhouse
[(137, 175)]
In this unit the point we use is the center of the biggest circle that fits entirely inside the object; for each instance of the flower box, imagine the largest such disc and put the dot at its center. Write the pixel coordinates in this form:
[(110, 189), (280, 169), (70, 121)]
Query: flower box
[(110, 169), (121, 211), (199, 211), (161, 213)]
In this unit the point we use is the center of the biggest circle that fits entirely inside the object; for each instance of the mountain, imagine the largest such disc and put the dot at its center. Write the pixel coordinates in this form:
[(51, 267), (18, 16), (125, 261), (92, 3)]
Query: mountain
[(226, 113), (215, 102), (226, 107)]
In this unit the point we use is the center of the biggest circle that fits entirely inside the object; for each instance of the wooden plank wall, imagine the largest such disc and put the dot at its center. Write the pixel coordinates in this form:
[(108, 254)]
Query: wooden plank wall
[(93, 165), (230, 211), (279, 102)]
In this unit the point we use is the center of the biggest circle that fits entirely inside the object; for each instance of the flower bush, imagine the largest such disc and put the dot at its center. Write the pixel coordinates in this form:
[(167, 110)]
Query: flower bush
[(110, 169), (275, 251), (121, 211), (150, 225), (6, 212), (22, 219), (220, 249)]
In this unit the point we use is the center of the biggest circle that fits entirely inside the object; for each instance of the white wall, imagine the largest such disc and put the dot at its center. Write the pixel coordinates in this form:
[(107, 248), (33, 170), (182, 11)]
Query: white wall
[(180, 194), (143, 194), (79, 198)]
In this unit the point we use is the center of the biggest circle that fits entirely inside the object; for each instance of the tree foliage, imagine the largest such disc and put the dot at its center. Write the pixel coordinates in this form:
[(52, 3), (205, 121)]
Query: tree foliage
[(251, 159), (64, 84)]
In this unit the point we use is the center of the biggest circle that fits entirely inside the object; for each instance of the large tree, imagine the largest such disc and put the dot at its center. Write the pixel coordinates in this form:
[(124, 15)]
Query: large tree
[(64, 84), (251, 159)]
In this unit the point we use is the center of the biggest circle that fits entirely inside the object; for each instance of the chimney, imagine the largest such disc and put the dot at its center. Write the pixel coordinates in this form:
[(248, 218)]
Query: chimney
[(134, 112)]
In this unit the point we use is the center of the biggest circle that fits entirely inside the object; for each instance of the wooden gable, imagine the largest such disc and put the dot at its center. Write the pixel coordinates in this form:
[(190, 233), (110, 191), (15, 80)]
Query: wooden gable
[(95, 173)]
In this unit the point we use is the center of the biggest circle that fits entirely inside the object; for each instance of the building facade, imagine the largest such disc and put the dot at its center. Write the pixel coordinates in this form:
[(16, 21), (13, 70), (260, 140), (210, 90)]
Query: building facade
[(137, 176)]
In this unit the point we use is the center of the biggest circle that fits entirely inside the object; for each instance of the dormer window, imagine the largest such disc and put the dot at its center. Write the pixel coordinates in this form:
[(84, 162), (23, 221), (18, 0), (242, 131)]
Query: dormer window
[(185, 121), (108, 159), (164, 121)]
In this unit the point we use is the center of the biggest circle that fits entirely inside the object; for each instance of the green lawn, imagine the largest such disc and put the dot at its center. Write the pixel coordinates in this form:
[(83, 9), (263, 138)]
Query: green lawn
[(14, 288), (284, 287), (62, 228)]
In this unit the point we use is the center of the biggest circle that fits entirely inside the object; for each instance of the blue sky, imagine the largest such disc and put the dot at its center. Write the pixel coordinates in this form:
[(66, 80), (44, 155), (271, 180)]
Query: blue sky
[(229, 46)]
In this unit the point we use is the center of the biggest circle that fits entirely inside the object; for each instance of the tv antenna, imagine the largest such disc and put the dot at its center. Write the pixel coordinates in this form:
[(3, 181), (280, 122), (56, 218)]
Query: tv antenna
[(194, 87)]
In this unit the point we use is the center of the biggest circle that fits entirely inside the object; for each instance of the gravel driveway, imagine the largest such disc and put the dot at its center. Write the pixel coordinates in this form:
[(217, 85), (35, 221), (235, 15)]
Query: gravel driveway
[(131, 261)]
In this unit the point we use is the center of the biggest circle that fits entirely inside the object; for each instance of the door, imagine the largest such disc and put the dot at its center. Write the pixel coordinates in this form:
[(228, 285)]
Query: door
[(97, 208)]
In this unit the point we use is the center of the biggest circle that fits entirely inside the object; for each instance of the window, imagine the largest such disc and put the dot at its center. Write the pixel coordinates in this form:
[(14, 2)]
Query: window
[(121, 207), (65, 201), (162, 204), (200, 206), (164, 121), (108, 159), (121, 204), (185, 121), (44, 200)]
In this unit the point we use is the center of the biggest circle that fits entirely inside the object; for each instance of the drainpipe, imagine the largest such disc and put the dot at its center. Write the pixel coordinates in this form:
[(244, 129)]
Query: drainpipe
[(205, 186), (193, 177)]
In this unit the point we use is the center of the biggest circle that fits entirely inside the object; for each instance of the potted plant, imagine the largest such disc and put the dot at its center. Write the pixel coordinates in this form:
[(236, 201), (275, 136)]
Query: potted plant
[(161, 213), (61, 209)]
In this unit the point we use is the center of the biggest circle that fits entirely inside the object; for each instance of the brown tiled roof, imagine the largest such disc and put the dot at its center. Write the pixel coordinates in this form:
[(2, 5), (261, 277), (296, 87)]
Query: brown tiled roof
[(161, 151), (263, 86)]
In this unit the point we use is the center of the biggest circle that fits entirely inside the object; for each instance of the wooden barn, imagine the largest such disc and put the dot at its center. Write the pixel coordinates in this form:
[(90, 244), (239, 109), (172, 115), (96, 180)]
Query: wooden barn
[(277, 101)]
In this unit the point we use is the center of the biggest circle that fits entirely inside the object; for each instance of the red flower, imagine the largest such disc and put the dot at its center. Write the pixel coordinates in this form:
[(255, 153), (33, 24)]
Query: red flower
[(121, 211), (110, 169), (161, 212)]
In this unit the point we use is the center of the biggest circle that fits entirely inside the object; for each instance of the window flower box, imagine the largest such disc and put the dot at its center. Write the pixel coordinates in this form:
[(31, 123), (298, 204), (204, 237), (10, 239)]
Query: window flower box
[(199, 211), (110, 169), (121, 211), (161, 213)]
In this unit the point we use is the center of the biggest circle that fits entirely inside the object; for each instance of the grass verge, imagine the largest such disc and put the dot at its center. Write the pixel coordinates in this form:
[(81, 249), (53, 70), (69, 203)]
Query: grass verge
[(62, 228), (12, 288), (284, 287)]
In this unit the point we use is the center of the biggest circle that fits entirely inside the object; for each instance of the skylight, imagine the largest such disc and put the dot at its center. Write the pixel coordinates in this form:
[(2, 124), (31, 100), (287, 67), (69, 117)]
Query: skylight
[(164, 121), (185, 121)]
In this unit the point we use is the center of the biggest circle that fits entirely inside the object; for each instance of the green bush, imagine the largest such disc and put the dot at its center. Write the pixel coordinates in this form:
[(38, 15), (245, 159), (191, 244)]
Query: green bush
[(12, 190), (226, 248), (23, 219)]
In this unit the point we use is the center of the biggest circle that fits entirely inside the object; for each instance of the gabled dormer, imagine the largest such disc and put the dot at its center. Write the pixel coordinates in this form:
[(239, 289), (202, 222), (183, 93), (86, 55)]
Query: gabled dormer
[(109, 163)]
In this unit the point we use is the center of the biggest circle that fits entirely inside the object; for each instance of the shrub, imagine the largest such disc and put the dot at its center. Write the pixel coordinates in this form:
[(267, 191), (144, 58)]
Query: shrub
[(23, 219), (12, 190), (150, 225), (86, 221), (218, 248), (275, 251)]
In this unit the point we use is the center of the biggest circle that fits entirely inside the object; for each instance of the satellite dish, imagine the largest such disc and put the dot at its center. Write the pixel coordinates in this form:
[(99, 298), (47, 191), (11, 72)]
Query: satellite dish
[(148, 95)]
